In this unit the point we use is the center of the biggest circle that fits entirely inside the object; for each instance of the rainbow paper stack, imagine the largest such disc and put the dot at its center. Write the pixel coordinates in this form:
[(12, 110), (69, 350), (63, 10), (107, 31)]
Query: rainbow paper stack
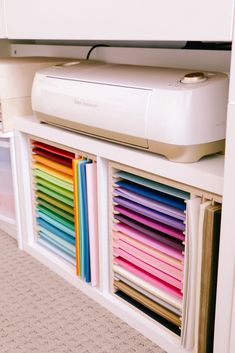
[(148, 246), (66, 207), (53, 178)]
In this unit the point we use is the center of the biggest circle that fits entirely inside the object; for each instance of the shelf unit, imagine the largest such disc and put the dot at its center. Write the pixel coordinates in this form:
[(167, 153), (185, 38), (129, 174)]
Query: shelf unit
[(209, 174), (205, 178)]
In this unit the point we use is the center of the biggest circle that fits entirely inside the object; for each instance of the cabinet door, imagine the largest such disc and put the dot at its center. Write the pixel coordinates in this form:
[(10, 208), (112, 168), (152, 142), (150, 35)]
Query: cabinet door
[(148, 20), (2, 21)]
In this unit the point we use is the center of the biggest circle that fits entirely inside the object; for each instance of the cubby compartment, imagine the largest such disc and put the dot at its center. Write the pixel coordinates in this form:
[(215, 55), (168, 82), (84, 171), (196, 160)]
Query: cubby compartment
[(164, 240), (65, 212), (7, 206)]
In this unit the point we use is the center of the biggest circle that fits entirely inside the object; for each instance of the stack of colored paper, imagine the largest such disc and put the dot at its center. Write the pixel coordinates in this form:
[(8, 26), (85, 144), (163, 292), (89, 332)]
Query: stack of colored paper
[(148, 246), (66, 207), (52, 171), (86, 222)]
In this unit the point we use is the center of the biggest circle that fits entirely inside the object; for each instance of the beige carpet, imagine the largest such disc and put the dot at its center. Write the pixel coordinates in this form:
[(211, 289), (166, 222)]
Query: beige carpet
[(41, 313)]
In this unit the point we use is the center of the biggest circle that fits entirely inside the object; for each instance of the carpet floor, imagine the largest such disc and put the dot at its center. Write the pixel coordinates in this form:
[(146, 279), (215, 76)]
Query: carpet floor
[(42, 313)]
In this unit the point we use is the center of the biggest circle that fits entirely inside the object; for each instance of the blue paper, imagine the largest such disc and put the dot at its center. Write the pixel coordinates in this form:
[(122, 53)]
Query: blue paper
[(55, 223), (153, 185), (152, 194), (84, 229), (56, 231), (152, 204)]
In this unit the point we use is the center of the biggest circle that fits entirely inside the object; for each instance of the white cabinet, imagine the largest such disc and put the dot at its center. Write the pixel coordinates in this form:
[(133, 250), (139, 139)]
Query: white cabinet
[(193, 178), (150, 20), (2, 20)]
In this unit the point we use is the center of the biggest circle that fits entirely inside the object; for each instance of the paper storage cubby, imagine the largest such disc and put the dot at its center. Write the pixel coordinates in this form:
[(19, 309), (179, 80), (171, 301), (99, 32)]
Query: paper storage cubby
[(64, 190), (160, 241)]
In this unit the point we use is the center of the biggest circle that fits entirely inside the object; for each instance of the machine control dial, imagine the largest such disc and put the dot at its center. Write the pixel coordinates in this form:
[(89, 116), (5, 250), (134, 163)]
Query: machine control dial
[(194, 77)]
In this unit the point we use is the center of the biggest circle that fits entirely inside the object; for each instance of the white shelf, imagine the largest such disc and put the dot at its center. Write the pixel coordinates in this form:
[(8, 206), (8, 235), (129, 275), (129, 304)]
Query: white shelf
[(100, 21), (207, 174)]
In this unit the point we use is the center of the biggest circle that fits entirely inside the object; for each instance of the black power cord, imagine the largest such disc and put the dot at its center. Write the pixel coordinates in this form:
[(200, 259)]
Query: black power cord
[(95, 46)]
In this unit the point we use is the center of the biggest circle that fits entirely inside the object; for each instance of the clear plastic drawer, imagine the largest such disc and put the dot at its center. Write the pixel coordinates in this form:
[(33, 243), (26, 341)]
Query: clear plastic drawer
[(6, 184)]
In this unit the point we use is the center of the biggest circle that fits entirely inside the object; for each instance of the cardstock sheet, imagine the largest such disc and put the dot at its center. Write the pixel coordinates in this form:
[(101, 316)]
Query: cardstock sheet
[(156, 272), (92, 206), (64, 245), (153, 251), (147, 258), (55, 202), (152, 194), (52, 179), (148, 294), (152, 204), (153, 185), (148, 277), (51, 247), (54, 187), (158, 242), (150, 304), (61, 224), (158, 292), (55, 195), (84, 230), (145, 211), (51, 164), (163, 228), (67, 178), (53, 157), (56, 231), (48, 207), (55, 150)]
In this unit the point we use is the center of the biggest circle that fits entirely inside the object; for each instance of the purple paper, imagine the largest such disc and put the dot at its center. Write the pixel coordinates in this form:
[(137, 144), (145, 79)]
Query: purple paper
[(154, 234), (153, 204), (150, 223), (145, 211)]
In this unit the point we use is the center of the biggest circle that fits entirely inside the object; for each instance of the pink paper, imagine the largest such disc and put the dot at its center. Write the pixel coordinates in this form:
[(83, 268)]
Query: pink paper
[(148, 268), (149, 259), (178, 264), (148, 277), (135, 234), (150, 223)]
